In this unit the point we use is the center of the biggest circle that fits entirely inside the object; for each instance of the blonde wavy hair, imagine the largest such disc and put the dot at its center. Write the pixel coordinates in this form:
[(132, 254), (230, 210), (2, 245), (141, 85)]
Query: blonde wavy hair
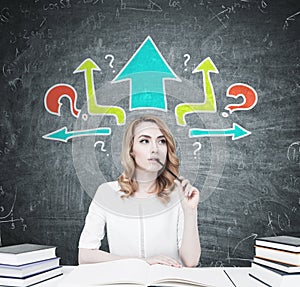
[(165, 181)]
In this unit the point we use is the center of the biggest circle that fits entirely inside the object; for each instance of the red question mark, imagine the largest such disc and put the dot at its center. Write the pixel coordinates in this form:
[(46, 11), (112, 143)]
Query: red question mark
[(55, 94), (241, 90)]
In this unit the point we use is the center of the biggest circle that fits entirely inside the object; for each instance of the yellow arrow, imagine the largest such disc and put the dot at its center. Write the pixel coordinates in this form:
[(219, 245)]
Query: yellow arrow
[(206, 67), (87, 66)]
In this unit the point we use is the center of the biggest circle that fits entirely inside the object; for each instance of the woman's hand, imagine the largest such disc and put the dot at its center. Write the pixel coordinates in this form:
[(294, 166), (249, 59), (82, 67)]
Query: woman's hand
[(188, 193), (164, 260)]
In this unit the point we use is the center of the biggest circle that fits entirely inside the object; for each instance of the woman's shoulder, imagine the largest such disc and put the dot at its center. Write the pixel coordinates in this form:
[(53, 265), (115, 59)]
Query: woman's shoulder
[(110, 185), (108, 191), (109, 197)]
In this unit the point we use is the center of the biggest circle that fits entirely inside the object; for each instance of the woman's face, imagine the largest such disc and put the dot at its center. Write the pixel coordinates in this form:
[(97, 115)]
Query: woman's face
[(149, 144)]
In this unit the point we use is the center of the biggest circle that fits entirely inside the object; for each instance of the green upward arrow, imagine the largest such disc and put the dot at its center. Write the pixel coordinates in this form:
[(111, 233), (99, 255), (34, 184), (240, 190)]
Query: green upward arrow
[(206, 67), (87, 66), (147, 71)]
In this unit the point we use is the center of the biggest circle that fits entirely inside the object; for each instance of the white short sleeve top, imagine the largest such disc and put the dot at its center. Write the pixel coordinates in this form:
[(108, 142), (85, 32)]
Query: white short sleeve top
[(135, 227)]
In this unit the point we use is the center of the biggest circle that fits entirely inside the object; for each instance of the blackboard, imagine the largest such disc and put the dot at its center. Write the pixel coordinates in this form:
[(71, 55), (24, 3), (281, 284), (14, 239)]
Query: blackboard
[(250, 187)]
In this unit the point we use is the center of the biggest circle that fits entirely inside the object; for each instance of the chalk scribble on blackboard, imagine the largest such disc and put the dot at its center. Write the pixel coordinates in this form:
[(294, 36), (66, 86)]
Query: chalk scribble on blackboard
[(7, 211), (151, 6), (289, 19), (293, 153)]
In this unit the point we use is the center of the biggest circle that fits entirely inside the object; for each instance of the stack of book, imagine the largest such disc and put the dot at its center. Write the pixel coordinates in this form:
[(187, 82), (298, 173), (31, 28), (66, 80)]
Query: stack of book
[(277, 261), (27, 264)]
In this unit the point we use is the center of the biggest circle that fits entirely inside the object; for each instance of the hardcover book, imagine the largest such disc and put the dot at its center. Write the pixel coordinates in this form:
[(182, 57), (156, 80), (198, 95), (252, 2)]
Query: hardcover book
[(281, 256), (30, 280), (288, 243), (25, 253), (28, 269), (277, 265), (273, 277)]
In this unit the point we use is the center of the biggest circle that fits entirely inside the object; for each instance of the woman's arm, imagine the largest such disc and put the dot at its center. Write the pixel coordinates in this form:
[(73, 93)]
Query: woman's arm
[(86, 256), (190, 249)]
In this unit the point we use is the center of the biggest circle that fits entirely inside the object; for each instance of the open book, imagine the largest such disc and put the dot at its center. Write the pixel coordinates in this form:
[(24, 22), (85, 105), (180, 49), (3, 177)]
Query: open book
[(140, 273)]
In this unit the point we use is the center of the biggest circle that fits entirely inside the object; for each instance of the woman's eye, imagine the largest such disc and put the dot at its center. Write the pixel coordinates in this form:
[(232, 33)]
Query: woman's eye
[(144, 141), (162, 141)]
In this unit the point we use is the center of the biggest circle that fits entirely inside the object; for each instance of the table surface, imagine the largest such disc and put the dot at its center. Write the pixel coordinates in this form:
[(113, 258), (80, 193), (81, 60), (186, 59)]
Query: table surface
[(239, 277)]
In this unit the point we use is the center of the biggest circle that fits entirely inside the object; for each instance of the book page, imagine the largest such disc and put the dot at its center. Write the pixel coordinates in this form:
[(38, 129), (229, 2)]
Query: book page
[(196, 276), (133, 271), (240, 277)]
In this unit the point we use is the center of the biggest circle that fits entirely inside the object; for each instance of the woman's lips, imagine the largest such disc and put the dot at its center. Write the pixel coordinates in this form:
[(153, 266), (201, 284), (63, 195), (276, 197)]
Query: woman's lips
[(153, 159)]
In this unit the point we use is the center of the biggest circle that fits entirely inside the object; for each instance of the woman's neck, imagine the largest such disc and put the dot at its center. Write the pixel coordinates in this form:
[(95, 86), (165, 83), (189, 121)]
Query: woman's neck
[(146, 183)]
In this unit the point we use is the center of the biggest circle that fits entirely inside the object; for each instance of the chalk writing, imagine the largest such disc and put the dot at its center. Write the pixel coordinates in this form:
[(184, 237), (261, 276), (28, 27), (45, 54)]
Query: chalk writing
[(270, 223), (43, 21), (253, 207), (188, 57), (6, 70), (94, 21), (289, 19), (15, 84), (102, 144), (262, 5), (7, 212), (175, 4), (292, 182), (61, 4), (93, 2), (224, 16), (45, 34), (221, 16), (117, 13), (293, 152), (197, 149), (232, 256), (150, 7), (284, 221), (5, 15), (112, 58)]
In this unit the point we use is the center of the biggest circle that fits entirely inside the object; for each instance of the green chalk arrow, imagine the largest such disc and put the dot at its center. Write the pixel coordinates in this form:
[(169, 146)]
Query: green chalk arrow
[(87, 66), (236, 132), (63, 135), (206, 67), (147, 70)]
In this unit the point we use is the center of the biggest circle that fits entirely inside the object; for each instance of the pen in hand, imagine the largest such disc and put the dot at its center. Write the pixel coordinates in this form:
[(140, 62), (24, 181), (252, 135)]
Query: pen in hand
[(188, 195), (167, 169)]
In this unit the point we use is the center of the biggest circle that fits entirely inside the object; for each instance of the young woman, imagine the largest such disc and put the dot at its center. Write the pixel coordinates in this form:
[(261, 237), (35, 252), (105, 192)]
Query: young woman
[(162, 226)]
